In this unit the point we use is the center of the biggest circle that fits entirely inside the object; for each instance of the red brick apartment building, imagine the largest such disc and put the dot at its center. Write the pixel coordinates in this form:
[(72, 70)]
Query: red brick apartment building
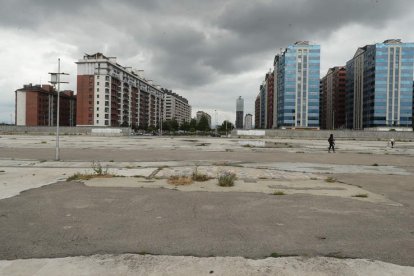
[(36, 105), (257, 112), (332, 99), (270, 77)]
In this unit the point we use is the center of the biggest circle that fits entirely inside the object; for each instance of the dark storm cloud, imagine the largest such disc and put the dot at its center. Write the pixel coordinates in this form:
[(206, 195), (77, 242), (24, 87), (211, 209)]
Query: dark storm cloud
[(192, 43)]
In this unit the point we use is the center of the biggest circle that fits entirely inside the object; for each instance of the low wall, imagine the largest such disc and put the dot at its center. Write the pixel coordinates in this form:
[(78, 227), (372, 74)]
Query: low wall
[(324, 134), (78, 130)]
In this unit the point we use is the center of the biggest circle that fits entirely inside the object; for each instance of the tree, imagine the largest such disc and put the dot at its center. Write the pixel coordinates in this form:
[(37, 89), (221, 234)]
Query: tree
[(193, 125), (226, 125), (166, 125), (203, 124), (174, 124), (185, 126)]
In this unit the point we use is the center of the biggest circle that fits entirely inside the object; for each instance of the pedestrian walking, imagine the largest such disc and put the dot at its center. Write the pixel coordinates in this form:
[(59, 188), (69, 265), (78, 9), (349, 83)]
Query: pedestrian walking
[(331, 141), (392, 142)]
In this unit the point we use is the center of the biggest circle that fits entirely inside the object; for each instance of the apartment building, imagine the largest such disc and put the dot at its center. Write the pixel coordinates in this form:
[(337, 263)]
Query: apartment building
[(379, 86), (296, 86), (257, 112), (176, 107), (113, 95), (248, 121), (263, 105), (332, 99), (269, 79), (239, 112), (200, 114), (36, 105)]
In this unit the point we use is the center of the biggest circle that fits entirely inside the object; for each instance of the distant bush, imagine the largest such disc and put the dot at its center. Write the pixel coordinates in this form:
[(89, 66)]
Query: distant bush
[(199, 176), (226, 179)]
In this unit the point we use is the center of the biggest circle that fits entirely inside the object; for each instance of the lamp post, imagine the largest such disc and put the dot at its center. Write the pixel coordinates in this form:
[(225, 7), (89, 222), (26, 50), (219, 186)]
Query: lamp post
[(55, 80), (161, 113)]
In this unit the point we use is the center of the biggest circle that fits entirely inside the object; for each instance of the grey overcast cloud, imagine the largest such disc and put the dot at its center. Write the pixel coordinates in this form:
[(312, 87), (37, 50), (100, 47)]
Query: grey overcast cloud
[(210, 52)]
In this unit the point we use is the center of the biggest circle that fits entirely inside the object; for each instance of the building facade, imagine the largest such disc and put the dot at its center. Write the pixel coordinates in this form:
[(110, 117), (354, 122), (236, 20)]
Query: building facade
[(332, 99), (257, 112), (176, 107), (263, 105), (269, 80), (379, 87), (200, 114), (239, 112), (112, 95), (248, 121), (296, 85), (36, 105)]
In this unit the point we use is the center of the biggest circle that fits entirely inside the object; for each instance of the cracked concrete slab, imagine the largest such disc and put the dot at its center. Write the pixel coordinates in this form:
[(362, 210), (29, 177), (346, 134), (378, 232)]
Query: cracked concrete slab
[(328, 168), (318, 187)]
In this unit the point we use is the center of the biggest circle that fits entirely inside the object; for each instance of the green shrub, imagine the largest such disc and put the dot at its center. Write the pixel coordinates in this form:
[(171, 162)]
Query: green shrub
[(199, 176), (226, 179)]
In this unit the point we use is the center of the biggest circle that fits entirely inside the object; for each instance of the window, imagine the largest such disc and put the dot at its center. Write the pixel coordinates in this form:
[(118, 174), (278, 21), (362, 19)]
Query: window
[(97, 94), (97, 90), (97, 83), (106, 122), (97, 121), (97, 102), (97, 109)]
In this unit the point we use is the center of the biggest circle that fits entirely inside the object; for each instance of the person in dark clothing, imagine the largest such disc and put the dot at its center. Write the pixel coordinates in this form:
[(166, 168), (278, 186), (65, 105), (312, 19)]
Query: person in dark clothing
[(331, 141)]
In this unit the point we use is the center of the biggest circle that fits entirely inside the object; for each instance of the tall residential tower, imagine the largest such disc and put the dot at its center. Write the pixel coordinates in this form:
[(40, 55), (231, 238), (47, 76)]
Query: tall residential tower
[(296, 86), (239, 112), (379, 86), (112, 95)]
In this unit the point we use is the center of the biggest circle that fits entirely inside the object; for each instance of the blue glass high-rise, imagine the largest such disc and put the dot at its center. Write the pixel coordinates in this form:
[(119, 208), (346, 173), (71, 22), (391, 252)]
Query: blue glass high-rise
[(297, 72), (380, 86)]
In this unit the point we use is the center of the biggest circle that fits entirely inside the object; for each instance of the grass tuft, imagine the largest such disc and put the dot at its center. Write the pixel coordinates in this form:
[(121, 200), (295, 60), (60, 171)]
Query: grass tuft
[(98, 172), (180, 180), (361, 195), (199, 177), (226, 179), (330, 179), (278, 193)]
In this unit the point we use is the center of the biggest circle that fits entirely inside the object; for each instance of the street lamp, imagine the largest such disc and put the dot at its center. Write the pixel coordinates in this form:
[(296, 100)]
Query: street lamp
[(55, 79)]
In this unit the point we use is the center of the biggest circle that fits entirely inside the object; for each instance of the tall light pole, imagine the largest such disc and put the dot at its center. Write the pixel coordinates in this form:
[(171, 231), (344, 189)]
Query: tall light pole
[(161, 113), (55, 80)]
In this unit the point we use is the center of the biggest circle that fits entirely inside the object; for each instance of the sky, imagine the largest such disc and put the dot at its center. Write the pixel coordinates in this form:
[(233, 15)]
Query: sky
[(210, 52)]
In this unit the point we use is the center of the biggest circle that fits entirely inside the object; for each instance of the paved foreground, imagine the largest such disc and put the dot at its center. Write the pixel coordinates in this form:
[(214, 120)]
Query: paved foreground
[(129, 264), (291, 198)]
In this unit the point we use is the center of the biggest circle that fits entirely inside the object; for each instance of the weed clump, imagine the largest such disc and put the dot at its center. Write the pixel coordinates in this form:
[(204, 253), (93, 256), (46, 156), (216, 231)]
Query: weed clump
[(330, 179), (199, 177), (180, 180), (226, 179), (98, 171), (278, 193), (361, 195)]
